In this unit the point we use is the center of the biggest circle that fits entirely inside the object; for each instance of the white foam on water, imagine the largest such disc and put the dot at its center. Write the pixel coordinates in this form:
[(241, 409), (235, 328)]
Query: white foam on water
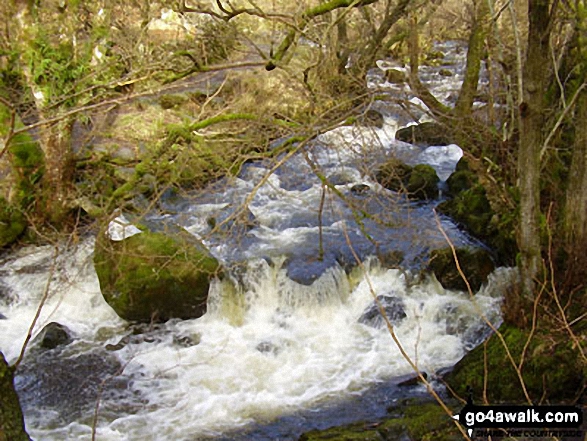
[(267, 347), (74, 298)]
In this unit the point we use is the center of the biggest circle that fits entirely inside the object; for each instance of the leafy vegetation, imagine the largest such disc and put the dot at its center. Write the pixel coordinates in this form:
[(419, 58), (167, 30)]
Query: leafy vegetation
[(107, 106)]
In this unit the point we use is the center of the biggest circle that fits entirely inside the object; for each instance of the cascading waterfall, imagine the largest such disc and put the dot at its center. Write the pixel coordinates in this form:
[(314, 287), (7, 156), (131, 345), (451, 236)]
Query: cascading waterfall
[(285, 333), (266, 348)]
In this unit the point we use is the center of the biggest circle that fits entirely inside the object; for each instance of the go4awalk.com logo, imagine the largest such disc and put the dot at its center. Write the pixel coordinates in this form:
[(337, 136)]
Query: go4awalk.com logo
[(564, 420)]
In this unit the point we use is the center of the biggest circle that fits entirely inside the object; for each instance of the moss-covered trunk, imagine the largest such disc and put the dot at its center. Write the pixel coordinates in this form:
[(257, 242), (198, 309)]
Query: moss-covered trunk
[(11, 419), (532, 111), (475, 50)]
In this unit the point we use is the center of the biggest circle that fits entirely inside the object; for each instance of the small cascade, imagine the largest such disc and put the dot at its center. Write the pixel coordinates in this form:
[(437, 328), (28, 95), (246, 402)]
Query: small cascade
[(293, 327)]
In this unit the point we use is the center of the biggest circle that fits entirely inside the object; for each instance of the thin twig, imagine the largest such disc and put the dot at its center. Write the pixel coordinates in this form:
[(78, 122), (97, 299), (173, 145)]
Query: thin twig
[(39, 308)]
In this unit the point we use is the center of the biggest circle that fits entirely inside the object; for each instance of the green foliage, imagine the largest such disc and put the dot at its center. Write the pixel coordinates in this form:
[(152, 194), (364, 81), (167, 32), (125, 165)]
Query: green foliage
[(28, 164), (550, 371), (410, 420), (12, 223), (55, 67)]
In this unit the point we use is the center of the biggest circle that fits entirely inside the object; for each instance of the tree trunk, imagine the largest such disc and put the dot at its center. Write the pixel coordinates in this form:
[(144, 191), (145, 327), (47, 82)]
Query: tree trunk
[(576, 197), (56, 143), (468, 90), (532, 109), (11, 419)]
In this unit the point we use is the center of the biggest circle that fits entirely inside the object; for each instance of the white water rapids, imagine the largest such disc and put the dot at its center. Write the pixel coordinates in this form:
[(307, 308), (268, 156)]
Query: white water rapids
[(261, 354), (269, 347)]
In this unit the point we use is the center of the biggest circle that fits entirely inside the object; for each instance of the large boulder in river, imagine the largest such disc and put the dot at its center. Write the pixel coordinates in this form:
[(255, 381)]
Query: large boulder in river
[(420, 181), (155, 277), (424, 134)]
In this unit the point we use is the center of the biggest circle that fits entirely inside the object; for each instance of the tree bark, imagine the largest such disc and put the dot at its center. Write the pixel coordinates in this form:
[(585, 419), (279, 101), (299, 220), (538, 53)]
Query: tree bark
[(468, 90), (58, 178), (576, 196), (535, 81), (11, 418)]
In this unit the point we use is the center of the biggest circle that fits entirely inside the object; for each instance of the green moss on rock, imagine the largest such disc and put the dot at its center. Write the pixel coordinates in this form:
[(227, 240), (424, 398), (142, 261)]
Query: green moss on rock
[(424, 134), (476, 264), (420, 181), (11, 418), (152, 276), (551, 370), (12, 223), (412, 420)]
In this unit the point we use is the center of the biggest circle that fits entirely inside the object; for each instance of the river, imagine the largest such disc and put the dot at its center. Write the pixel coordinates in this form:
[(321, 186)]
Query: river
[(288, 343)]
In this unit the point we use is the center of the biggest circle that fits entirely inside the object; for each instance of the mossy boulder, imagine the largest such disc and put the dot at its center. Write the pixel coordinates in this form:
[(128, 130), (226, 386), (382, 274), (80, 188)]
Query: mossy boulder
[(12, 223), (11, 418), (551, 370), (420, 181), (470, 207), (412, 420), (476, 265), (424, 134), (155, 277)]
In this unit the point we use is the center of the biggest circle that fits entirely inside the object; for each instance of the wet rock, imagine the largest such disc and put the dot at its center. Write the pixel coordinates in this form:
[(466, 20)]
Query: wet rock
[(305, 270), (3, 317), (390, 258), (424, 134), (445, 73), (395, 76), (420, 181), (66, 387), (414, 380), (186, 341), (340, 178), (267, 347), (233, 219), (54, 335), (360, 189), (393, 306), (469, 328), (152, 277), (372, 118), (476, 265), (412, 419)]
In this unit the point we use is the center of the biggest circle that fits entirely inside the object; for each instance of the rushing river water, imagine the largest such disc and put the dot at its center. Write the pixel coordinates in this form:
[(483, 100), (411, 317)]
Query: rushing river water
[(290, 341)]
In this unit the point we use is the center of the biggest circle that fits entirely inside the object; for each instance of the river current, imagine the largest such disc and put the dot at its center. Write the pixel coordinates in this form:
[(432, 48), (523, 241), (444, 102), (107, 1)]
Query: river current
[(287, 344)]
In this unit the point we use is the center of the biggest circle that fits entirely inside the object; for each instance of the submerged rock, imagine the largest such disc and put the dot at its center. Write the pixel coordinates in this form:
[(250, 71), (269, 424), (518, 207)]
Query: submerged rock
[(154, 277), (394, 308)]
